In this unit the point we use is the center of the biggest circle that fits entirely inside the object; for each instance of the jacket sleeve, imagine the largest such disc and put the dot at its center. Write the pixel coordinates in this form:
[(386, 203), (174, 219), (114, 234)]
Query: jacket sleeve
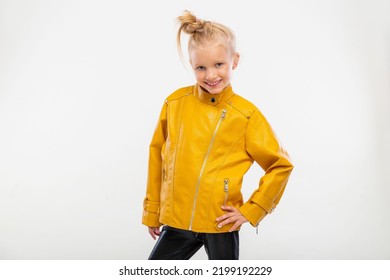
[(151, 205), (263, 146)]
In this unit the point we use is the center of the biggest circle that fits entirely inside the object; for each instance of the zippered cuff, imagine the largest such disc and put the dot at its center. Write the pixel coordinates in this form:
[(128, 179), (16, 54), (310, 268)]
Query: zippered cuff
[(151, 213), (264, 202), (151, 206), (253, 213)]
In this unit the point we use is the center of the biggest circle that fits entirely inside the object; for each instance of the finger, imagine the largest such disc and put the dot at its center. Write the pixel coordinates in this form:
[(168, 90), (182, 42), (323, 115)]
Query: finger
[(229, 220), (225, 216), (152, 235), (157, 231), (151, 232), (236, 225), (229, 208)]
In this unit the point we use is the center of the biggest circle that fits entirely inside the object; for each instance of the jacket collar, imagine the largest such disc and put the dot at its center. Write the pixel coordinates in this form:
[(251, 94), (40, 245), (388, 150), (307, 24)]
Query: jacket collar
[(212, 99)]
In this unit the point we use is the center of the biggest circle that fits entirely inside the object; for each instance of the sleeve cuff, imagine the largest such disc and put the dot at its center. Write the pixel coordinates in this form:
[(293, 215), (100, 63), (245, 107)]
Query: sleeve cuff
[(151, 213), (253, 213)]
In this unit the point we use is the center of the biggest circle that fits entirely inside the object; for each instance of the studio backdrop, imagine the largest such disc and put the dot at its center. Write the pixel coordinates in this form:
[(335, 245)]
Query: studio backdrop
[(81, 87)]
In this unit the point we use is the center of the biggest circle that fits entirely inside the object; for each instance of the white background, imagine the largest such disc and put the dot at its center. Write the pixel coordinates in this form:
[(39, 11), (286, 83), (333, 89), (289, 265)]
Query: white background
[(81, 86)]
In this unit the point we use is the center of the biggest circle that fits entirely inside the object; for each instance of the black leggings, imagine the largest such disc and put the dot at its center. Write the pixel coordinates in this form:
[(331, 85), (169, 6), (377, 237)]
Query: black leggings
[(178, 244)]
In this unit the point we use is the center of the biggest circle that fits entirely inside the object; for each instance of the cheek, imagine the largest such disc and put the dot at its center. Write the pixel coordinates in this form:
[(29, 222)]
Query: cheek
[(227, 72), (199, 75)]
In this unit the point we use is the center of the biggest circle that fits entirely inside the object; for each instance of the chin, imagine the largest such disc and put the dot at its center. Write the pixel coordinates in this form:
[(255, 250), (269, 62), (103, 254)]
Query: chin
[(214, 90)]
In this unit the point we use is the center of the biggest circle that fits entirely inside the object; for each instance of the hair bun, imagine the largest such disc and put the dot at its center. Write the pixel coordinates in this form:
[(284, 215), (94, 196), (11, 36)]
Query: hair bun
[(190, 23)]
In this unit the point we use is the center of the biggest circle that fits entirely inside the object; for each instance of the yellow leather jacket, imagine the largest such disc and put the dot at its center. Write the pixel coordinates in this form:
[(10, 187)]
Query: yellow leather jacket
[(201, 148)]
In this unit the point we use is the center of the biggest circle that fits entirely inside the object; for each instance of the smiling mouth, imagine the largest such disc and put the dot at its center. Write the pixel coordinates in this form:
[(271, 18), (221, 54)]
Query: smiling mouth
[(213, 84)]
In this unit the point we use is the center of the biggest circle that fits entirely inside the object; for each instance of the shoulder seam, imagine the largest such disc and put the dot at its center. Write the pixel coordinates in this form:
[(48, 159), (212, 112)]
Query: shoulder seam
[(178, 94), (252, 108), (173, 99)]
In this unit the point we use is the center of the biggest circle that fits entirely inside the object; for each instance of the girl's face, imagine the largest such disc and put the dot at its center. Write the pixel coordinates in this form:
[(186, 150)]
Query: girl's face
[(213, 66)]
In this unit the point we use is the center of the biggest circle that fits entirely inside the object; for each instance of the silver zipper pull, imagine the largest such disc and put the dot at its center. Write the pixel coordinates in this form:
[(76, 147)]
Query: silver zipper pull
[(226, 190), (223, 113), (226, 186)]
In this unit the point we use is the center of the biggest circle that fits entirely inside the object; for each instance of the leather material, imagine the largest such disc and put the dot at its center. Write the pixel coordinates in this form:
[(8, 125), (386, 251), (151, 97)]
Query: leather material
[(178, 244), (202, 146)]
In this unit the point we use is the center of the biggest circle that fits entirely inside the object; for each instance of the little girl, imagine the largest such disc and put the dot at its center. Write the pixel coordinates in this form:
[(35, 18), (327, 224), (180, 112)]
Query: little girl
[(206, 139)]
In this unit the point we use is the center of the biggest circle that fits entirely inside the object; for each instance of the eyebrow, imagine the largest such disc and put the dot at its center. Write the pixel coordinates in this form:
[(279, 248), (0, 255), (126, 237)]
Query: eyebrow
[(217, 61)]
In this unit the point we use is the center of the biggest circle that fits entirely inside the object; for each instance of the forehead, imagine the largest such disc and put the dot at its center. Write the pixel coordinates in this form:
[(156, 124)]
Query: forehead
[(209, 52)]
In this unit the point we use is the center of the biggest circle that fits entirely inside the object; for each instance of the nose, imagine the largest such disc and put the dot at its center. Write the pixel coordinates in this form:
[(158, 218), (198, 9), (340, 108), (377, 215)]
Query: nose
[(211, 74)]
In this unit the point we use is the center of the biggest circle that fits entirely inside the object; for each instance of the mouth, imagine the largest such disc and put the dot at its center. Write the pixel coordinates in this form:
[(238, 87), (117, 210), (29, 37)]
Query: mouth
[(213, 84)]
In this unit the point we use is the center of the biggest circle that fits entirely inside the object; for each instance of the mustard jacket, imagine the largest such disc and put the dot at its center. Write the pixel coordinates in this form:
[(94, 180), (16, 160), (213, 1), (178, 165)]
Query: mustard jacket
[(202, 147)]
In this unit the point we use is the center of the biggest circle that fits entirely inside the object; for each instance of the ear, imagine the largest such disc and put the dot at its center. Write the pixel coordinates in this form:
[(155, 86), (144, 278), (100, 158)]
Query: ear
[(236, 59)]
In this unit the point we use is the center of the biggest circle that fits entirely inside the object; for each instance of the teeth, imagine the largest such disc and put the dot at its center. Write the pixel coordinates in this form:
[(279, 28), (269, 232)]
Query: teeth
[(213, 84)]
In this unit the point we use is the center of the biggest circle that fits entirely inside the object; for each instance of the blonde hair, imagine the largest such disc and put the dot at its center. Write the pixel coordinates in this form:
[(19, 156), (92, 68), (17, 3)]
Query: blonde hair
[(203, 32)]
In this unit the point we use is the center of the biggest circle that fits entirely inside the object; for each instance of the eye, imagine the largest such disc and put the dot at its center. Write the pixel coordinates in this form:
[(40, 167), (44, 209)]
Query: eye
[(200, 68), (219, 64)]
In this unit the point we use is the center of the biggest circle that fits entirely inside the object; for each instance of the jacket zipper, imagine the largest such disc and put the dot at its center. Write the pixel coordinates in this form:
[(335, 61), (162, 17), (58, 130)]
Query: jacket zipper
[(226, 190), (203, 166)]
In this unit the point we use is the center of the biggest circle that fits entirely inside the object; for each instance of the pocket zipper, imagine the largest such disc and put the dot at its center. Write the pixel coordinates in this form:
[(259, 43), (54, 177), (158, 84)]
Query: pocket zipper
[(226, 190)]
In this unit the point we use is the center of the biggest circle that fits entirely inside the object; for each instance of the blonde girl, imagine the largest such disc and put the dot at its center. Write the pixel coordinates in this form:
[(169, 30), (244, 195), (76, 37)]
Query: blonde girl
[(206, 139)]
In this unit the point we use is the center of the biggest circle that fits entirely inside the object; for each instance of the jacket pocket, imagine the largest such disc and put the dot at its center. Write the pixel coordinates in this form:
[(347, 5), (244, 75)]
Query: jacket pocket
[(226, 190)]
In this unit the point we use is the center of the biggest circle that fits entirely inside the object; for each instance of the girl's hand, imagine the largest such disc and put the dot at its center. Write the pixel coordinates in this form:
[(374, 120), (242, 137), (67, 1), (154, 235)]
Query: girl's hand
[(232, 217), (154, 231)]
